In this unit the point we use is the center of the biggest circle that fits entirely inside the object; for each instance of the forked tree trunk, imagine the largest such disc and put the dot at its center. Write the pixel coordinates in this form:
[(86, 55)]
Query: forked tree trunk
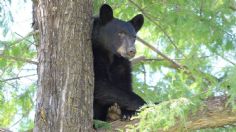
[(65, 92)]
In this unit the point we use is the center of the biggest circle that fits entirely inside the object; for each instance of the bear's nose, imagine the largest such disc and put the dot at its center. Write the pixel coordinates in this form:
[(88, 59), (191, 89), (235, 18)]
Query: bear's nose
[(131, 52)]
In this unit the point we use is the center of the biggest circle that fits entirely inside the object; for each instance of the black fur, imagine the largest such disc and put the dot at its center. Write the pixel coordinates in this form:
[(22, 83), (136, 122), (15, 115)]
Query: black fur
[(113, 82)]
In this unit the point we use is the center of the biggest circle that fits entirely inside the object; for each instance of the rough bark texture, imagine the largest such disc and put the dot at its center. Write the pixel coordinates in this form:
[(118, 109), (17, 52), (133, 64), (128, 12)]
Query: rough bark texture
[(65, 84), (213, 113)]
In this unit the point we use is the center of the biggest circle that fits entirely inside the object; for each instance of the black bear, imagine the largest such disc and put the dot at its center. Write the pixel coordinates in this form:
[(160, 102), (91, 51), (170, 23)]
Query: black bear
[(113, 45)]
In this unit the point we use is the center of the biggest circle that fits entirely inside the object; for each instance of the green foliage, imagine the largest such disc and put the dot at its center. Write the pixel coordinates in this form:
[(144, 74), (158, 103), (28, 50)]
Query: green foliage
[(162, 116), (7, 111), (16, 98), (223, 129), (230, 83), (101, 124), (26, 125), (22, 49), (16, 104)]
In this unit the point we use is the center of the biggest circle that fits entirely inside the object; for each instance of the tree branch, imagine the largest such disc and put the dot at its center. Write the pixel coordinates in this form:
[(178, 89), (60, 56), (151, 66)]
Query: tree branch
[(4, 130), (25, 38), (137, 59), (175, 64), (143, 58), (19, 40), (15, 78), (213, 113), (228, 60)]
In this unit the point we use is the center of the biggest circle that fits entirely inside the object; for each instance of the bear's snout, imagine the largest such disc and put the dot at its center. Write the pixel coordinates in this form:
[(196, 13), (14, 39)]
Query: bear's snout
[(131, 52)]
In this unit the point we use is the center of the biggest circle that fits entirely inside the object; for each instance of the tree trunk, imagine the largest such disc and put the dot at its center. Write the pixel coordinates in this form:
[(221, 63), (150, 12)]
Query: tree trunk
[(65, 84)]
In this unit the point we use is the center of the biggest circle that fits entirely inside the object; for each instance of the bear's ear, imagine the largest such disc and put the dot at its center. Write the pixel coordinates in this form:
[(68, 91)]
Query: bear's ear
[(137, 22), (106, 13)]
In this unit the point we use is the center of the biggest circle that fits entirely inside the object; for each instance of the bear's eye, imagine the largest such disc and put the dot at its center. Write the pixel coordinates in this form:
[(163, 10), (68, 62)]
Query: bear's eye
[(121, 34)]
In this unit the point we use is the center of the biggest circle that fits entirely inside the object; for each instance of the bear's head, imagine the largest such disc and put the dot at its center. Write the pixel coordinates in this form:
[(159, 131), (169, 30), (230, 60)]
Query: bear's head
[(116, 36)]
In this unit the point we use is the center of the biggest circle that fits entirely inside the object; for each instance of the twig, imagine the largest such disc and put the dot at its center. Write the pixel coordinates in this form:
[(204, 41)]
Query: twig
[(18, 59), (12, 85), (4, 130), (201, 8), (175, 64), (15, 78), (227, 59), (19, 40), (142, 58), (24, 38), (29, 69), (144, 74), (137, 59), (16, 122)]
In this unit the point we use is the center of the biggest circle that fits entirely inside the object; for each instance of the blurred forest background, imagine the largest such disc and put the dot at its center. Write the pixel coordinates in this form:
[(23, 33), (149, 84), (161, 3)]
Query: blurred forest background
[(193, 59)]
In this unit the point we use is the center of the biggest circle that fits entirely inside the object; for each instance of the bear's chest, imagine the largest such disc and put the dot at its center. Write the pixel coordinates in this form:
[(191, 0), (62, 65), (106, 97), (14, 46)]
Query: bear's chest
[(119, 67)]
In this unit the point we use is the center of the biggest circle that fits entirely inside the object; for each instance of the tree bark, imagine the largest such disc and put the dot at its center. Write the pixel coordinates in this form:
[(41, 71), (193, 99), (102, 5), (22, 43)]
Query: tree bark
[(65, 69)]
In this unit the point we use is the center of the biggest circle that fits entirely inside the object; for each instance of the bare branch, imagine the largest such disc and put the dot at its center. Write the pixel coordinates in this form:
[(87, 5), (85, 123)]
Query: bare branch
[(19, 40), (175, 64), (144, 74), (143, 58), (24, 38), (137, 59), (18, 59), (228, 60), (17, 122), (15, 78), (4, 130)]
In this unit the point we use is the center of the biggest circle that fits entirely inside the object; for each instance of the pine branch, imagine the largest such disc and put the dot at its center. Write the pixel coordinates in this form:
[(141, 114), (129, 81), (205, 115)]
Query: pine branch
[(213, 113)]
